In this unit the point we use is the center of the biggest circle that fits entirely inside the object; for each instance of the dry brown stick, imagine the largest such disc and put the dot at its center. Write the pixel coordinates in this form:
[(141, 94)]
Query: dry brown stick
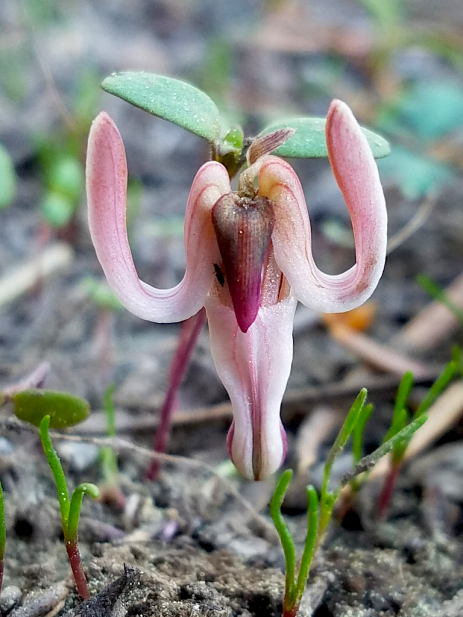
[(432, 324), (312, 432), (54, 258), (382, 357), (297, 402), (34, 379)]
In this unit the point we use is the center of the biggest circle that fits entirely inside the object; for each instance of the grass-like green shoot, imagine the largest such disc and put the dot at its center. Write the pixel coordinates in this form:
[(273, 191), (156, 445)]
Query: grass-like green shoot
[(110, 489), (320, 510), (439, 294), (402, 418), (69, 507), (45, 409)]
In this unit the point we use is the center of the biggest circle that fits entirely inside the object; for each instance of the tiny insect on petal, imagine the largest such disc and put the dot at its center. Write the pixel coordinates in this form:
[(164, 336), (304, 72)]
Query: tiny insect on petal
[(107, 196), (243, 228)]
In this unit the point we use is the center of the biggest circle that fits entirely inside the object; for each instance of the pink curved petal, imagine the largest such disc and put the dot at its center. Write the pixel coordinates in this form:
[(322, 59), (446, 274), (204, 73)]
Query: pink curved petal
[(254, 368), (357, 175), (106, 196)]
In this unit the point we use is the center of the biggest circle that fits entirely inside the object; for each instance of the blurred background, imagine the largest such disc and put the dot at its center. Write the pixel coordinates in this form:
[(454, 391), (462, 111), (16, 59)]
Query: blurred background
[(398, 64)]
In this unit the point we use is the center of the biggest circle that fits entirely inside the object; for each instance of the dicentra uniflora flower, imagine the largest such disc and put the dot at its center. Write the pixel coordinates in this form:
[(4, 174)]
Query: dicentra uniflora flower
[(248, 262)]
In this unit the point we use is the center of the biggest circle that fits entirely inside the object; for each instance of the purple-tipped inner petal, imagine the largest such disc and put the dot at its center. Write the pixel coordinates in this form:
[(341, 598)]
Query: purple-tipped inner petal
[(243, 228)]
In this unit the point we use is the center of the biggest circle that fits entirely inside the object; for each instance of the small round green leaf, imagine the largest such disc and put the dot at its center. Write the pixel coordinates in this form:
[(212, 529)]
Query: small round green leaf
[(100, 293), (309, 139), (67, 178), (7, 179), (64, 409), (57, 209), (171, 99)]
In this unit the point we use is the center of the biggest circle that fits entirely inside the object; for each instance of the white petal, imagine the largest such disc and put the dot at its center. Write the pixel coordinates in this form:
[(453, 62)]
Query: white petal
[(254, 368)]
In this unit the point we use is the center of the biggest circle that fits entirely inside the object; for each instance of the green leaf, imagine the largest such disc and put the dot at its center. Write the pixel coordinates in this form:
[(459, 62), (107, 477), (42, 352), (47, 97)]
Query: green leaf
[(7, 179), (100, 293), (171, 99), (440, 294), (67, 178), (386, 14), (64, 409), (57, 209), (402, 437), (430, 110), (309, 139), (286, 538), (415, 175)]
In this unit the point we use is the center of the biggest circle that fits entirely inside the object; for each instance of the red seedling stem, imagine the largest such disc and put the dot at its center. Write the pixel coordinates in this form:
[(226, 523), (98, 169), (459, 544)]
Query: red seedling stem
[(384, 500), (77, 570)]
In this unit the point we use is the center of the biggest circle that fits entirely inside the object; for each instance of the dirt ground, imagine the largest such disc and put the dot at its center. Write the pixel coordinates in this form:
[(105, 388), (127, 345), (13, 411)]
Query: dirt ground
[(199, 541)]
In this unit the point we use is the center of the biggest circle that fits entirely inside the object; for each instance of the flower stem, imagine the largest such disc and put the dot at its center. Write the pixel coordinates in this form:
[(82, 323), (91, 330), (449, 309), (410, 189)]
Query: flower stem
[(189, 333)]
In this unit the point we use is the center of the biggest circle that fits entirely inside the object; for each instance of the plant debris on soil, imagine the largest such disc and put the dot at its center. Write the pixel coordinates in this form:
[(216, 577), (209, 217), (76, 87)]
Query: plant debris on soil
[(199, 541)]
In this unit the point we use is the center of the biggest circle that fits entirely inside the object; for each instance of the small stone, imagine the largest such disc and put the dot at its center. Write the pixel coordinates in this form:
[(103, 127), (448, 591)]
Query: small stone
[(10, 597)]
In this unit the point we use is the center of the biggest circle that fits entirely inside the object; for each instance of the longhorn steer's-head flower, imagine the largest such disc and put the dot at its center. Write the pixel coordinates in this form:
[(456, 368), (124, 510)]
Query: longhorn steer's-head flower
[(248, 262)]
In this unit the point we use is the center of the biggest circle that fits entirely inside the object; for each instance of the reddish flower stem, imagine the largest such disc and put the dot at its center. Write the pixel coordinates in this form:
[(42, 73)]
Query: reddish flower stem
[(189, 333), (385, 496), (72, 549), (1, 574)]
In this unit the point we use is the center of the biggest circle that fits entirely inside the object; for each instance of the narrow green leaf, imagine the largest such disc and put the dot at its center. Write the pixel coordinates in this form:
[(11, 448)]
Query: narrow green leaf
[(7, 179), (436, 292), (286, 538), (86, 488), (309, 139), (346, 430), (57, 471), (436, 388), (399, 420), (403, 391), (64, 409), (369, 461), (171, 99), (359, 429), (313, 516)]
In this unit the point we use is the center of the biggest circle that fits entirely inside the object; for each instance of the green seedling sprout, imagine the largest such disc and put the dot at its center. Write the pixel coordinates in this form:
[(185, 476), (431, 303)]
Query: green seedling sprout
[(2, 535), (357, 439), (320, 509), (47, 408), (436, 292), (108, 458), (7, 178), (111, 491), (400, 420), (69, 507), (295, 583)]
